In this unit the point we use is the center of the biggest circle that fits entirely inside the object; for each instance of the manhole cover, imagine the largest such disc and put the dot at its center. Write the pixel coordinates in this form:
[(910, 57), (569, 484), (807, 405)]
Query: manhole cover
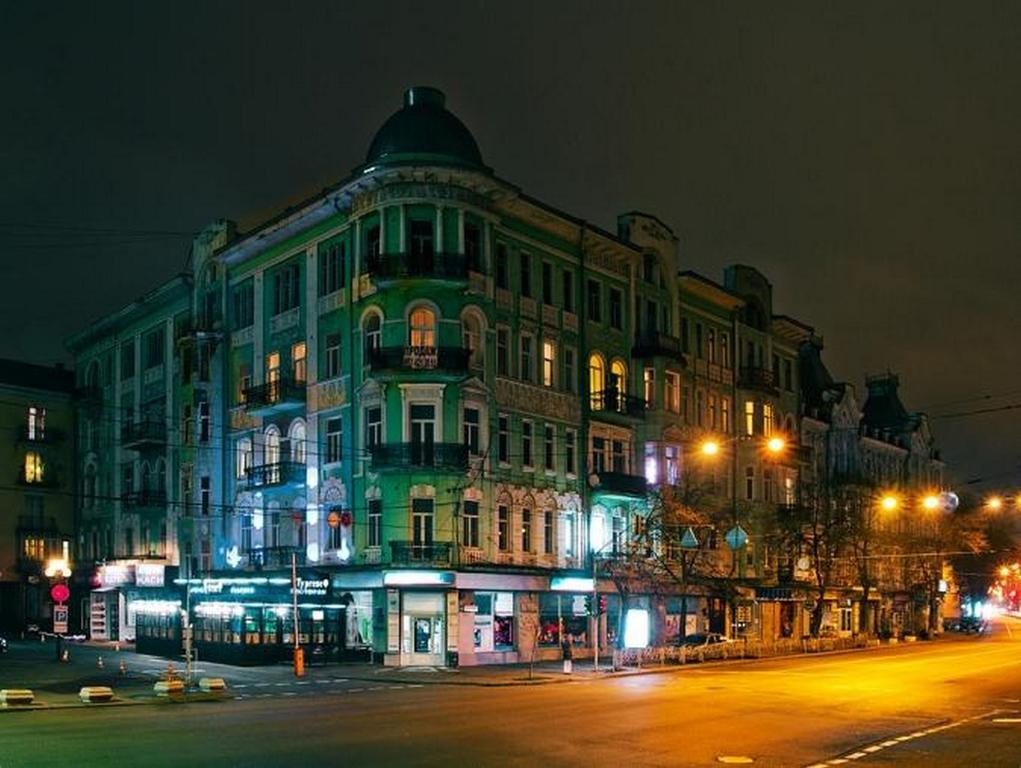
[(734, 759)]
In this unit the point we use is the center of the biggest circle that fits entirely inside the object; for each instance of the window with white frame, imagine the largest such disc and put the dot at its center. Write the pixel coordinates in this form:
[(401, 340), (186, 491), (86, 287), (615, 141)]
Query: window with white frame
[(526, 443), (570, 449), (503, 439), (244, 458), (373, 426), (503, 525), (549, 437), (471, 338), (549, 363), (373, 331), (334, 439), (672, 462), (375, 520), (471, 429), (570, 370), (470, 524), (673, 391), (332, 362)]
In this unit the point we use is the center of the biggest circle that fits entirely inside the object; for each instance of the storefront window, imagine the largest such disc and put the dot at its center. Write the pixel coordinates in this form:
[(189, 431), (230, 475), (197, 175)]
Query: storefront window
[(568, 609), (494, 621)]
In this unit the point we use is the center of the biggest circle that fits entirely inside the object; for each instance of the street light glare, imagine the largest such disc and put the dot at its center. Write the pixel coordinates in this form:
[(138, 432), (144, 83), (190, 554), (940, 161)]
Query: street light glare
[(710, 448), (889, 503), (994, 503), (930, 501), (775, 444)]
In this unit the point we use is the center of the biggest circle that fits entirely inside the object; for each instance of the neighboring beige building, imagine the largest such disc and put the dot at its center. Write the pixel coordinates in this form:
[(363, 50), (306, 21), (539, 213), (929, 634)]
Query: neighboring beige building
[(36, 488)]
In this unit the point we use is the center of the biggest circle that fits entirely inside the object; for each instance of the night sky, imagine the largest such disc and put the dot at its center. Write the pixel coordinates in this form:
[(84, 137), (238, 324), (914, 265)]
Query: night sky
[(866, 158)]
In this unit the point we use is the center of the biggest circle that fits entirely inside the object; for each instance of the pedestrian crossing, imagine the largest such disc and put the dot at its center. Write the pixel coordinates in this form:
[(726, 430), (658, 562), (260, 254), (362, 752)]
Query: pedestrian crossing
[(330, 686)]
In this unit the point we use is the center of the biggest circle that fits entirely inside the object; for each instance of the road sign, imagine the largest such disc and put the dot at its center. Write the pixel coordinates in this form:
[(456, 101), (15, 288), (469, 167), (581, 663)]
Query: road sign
[(60, 593), (736, 537), (59, 619)]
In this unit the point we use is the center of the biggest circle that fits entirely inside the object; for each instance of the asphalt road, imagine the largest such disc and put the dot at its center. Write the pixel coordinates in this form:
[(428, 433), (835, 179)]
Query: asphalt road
[(949, 703)]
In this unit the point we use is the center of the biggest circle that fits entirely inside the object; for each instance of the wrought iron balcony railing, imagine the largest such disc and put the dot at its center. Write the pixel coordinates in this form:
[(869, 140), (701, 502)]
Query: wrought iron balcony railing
[(409, 358), (275, 557), (655, 344), (136, 434), (44, 435), (277, 473), (412, 553), (145, 499), (450, 456), (615, 401), (409, 266), (278, 393), (754, 377)]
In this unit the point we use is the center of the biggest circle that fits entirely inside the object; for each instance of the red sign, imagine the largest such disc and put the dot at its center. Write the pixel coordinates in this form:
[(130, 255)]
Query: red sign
[(60, 593), (333, 519)]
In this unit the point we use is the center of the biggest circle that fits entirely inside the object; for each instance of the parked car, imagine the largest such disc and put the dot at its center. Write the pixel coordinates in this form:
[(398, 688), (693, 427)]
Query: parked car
[(973, 624)]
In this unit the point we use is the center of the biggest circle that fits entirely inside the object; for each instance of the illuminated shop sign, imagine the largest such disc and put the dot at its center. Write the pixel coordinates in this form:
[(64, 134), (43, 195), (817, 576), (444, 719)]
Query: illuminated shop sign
[(571, 584), (149, 575), (418, 578)]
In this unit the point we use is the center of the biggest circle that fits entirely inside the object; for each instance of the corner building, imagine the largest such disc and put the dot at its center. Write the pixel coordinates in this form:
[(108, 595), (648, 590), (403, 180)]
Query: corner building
[(445, 402)]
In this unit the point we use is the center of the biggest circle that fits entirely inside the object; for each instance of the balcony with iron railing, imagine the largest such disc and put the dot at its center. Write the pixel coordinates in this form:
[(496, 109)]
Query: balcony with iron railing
[(38, 526), (145, 499), (755, 377), (613, 401), (619, 484), (437, 553), (276, 395), (655, 344), (451, 457), (418, 266), (277, 474), (418, 358), (139, 435), (40, 435), (275, 557)]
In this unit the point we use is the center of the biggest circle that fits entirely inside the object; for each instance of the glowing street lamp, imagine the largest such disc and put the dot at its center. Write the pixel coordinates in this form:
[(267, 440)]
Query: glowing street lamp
[(995, 503), (58, 567), (710, 448), (776, 445), (889, 503), (931, 501)]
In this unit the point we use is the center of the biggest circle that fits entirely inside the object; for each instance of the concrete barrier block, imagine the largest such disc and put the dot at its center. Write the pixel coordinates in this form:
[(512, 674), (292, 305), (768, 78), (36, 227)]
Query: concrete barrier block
[(212, 684), (16, 696), (169, 687), (92, 694)]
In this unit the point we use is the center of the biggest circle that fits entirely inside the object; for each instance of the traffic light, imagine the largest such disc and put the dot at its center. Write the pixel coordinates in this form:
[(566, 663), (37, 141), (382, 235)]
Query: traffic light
[(602, 603), (588, 605)]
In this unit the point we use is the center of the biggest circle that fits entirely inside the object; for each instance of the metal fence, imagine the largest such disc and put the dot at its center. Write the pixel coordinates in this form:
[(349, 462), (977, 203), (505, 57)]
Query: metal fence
[(738, 649)]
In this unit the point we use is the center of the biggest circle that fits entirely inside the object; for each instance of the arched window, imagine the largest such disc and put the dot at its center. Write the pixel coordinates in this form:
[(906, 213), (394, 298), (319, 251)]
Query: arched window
[(161, 476), (373, 331), (243, 461), (472, 339), (296, 435), (422, 327), (618, 377), (596, 381), (146, 477), (271, 449)]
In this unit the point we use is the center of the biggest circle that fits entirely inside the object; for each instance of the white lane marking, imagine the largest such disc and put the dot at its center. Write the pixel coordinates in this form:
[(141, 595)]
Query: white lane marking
[(302, 682), (874, 748), (340, 679), (1007, 719), (261, 685), (415, 685), (890, 743), (281, 685), (355, 690), (241, 685), (290, 693), (856, 755)]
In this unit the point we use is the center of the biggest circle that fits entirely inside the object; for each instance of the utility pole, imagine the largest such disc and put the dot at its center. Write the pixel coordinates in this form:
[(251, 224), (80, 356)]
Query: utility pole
[(299, 656)]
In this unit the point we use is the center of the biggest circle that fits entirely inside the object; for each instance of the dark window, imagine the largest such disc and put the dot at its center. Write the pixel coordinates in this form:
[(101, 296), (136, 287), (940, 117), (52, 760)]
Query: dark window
[(206, 495), (503, 352), (422, 245), (616, 309), (471, 430), (651, 310), (548, 533), (685, 333), (503, 440), (649, 268), (331, 268), (776, 369), (526, 274), (373, 426), (503, 528), (569, 448), (548, 448), (154, 348), (243, 300), (373, 244), (334, 439), (473, 247), (547, 283), (331, 368), (595, 301), (286, 288), (788, 377), (526, 443), (568, 289), (502, 277), (699, 350), (128, 359), (526, 530), (470, 534), (375, 522)]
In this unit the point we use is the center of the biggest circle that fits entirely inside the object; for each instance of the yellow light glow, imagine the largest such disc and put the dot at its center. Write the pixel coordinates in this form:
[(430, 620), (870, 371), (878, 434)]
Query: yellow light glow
[(889, 503), (710, 448), (1004, 571), (930, 501), (776, 444), (994, 503), (57, 567)]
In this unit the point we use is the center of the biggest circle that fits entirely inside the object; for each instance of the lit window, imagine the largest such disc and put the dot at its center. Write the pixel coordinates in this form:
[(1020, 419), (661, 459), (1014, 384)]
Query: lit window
[(649, 380), (597, 378), (767, 419), (423, 324), (33, 467), (36, 422), (549, 360), (673, 392), (651, 464), (749, 417)]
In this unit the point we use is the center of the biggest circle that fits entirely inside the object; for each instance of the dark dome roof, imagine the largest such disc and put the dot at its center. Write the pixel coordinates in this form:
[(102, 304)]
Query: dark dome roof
[(423, 130)]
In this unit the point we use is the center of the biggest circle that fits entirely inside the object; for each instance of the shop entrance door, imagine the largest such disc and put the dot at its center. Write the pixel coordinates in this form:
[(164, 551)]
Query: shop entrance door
[(423, 628)]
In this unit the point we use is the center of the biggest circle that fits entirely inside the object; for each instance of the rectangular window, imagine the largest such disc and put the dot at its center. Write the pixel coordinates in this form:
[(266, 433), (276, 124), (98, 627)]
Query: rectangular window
[(526, 443), (549, 363), (598, 454), (127, 359), (725, 350), (570, 446), (595, 301), (673, 392), (749, 417), (331, 267), (204, 422), (549, 438), (503, 440), (685, 334), (503, 528), (286, 288), (713, 415), (619, 457), (473, 246), (373, 427), (651, 311), (776, 370), (616, 309), (422, 525), (570, 534), (205, 495), (567, 287), (651, 463), (526, 371), (767, 419), (375, 537), (334, 439), (548, 532), (570, 371), (526, 530), (154, 348), (298, 363), (373, 246), (672, 460), (711, 344), (547, 283), (502, 276), (244, 458), (699, 349), (749, 483), (470, 527), (503, 352), (649, 387), (788, 375), (33, 467), (332, 362), (725, 414), (35, 426), (421, 239), (471, 431), (700, 407), (526, 274)]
